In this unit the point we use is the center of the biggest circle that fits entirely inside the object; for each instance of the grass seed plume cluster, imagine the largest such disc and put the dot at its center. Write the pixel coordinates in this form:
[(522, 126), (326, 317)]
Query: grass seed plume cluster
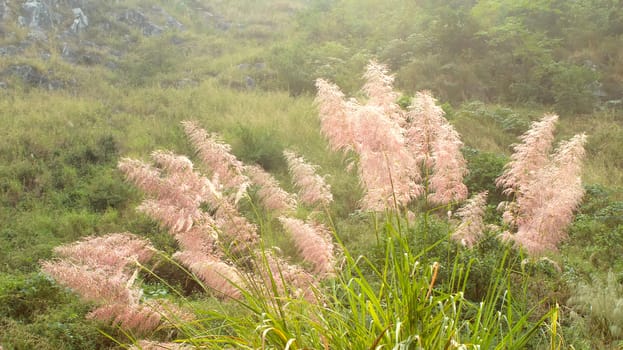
[(402, 156), (546, 188)]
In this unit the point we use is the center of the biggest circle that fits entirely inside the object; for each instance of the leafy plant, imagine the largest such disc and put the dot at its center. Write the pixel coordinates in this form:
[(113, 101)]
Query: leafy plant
[(601, 301)]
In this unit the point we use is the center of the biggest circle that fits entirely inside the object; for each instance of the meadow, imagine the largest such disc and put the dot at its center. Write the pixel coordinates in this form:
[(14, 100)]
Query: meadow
[(401, 281)]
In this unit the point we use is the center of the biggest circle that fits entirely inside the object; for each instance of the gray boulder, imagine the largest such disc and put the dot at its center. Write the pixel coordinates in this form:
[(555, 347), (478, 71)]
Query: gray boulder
[(249, 82), (81, 21)]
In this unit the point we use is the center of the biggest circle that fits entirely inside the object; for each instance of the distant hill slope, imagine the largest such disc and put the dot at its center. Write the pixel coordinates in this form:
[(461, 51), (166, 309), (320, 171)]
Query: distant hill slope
[(58, 44)]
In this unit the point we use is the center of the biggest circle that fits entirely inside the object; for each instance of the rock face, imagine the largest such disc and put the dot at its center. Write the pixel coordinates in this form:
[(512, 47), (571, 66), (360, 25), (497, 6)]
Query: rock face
[(88, 33), (169, 21), (10, 50), (4, 10), (138, 19), (32, 76), (29, 74), (81, 21), (78, 26), (44, 15), (39, 15)]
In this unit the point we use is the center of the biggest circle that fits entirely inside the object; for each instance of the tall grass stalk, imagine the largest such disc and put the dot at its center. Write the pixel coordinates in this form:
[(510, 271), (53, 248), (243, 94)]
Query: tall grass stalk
[(399, 303)]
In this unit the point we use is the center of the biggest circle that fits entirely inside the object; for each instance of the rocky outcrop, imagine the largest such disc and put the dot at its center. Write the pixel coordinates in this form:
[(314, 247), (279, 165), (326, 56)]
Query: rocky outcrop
[(151, 21), (136, 18), (169, 21), (32, 76), (39, 15), (45, 15), (4, 10), (78, 25), (81, 21), (27, 73), (11, 50), (88, 33)]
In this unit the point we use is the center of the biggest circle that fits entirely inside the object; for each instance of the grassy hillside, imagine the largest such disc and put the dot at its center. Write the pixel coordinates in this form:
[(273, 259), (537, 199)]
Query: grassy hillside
[(245, 69)]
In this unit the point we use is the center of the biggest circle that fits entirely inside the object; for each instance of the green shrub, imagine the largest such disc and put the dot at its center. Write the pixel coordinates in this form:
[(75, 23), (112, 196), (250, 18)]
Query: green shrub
[(107, 191), (25, 298), (509, 120), (601, 301), (58, 329), (598, 227), (401, 301), (484, 168), (574, 88), (258, 145)]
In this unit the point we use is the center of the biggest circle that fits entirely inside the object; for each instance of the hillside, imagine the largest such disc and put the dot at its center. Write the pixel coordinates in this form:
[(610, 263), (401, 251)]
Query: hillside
[(85, 83)]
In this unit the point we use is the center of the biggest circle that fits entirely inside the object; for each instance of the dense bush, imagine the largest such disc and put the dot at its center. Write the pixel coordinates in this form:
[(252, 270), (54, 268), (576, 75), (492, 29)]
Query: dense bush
[(599, 228), (484, 168)]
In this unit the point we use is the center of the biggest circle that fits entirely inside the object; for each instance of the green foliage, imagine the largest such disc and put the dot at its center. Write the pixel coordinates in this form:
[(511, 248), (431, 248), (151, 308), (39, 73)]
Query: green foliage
[(35, 312), (509, 120), (602, 302), (149, 62), (575, 89), (296, 65), (498, 50), (24, 298), (58, 150), (60, 329), (108, 191), (489, 128), (258, 145), (598, 227), (400, 301), (484, 168)]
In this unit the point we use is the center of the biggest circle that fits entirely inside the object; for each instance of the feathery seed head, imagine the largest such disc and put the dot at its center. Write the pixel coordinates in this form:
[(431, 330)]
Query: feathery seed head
[(224, 279), (313, 241), (272, 196), (472, 225), (313, 190), (217, 156)]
